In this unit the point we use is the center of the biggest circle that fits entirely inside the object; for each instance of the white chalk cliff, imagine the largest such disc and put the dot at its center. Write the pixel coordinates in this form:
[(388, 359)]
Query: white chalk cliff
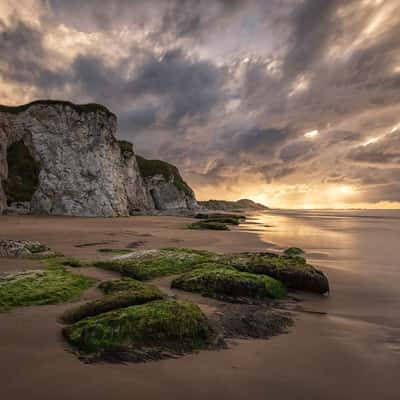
[(82, 168)]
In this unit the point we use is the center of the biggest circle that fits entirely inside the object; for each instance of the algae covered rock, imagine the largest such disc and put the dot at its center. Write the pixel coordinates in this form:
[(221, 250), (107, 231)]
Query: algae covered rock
[(221, 281), (216, 221), (121, 285), (293, 251), (293, 272), (144, 331), (231, 219), (134, 294), (212, 225), (149, 264), (40, 287), (225, 205)]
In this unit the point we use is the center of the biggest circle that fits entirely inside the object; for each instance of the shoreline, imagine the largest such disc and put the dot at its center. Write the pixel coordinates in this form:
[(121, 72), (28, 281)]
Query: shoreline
[(36, 365)]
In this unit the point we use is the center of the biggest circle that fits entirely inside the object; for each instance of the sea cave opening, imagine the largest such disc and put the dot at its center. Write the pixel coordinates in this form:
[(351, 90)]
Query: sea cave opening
[(23, 174)]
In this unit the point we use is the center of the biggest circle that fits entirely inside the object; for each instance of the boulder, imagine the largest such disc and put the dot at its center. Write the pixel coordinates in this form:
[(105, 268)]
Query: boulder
[(20, 248)]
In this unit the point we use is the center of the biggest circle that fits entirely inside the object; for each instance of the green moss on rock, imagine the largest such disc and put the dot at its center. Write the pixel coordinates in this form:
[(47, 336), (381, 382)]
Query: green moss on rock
[(72, 262), (293, 272), (153, 328), (126, 148), (135, 293), (211, 225), (232, 219), (219, 280), (40, 287), (121, 285), (149, 264), (294, 251)]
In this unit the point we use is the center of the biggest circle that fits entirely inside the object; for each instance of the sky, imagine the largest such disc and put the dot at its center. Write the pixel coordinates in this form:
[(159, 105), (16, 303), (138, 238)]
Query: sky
[(292, 103)]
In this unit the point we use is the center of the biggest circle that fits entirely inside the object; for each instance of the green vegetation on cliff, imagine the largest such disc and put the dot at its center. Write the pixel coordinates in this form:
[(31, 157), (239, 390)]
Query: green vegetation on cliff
[(149, 168), (23, 173), (126, 148)]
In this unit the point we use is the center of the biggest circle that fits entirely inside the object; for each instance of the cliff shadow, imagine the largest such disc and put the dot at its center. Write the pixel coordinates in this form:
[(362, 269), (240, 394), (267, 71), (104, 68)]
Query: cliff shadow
[(23, 174)]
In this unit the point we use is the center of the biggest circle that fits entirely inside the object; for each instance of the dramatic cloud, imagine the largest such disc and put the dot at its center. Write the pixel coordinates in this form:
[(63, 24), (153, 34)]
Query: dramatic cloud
[(228, 90)]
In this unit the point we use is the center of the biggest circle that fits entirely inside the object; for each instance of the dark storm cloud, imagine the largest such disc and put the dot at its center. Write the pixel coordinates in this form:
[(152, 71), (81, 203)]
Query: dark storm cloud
[(191, 17), (313, 25), (385, 151), (191, 87), (175, 18), (297, 150), (225, 88), (263, 142), (140, 117), (23, 58)]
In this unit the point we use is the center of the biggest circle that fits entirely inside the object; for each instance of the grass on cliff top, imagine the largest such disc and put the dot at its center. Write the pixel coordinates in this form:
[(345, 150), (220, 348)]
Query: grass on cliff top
[(218, 280), (210, 225), (91, 107), (150, 264), (155, 327), (121, 294), (23, 173), (149, 168), (47, 286), (126, 148)]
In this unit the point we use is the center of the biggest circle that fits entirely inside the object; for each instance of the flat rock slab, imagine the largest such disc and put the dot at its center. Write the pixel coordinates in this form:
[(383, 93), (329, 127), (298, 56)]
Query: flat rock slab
[(20, 248)]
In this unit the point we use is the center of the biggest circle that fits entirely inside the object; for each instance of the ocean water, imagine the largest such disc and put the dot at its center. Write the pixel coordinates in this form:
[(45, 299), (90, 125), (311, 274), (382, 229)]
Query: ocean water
[(358, 250)]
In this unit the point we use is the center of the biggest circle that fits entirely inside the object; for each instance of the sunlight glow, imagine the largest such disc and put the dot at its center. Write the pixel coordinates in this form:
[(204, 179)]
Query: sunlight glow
[(370, 140), (311, 134), (301, 84), (346, 189)]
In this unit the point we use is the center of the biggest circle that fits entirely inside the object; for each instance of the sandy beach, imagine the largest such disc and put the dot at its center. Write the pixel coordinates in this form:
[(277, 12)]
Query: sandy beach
[(343, 346)]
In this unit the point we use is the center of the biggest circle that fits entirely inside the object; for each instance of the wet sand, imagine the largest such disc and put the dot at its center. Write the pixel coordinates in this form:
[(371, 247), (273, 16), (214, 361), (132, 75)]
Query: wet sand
[(347, 346)]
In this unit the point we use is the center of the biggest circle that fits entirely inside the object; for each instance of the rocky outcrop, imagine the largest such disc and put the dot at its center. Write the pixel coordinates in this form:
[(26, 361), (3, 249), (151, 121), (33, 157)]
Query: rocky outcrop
[(166, 190), (225, 205), (64, 159), (20, 248)]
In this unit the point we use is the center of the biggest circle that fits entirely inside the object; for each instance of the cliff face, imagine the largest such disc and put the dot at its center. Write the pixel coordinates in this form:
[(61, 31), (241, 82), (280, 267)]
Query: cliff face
[(61, 158), (166, 190), (81, 168)]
